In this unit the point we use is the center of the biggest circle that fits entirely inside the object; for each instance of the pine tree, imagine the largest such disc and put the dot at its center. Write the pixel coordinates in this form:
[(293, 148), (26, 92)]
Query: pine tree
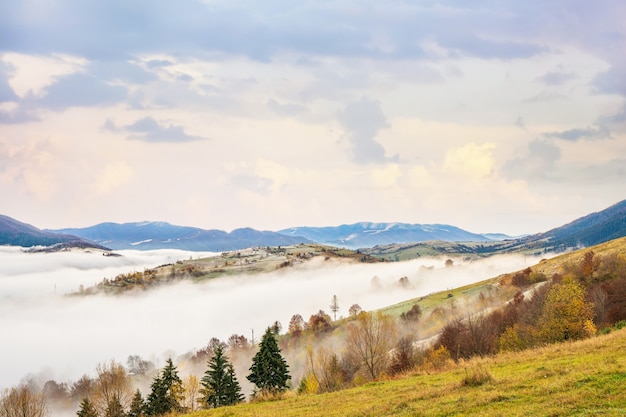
[(167, 392), (219, 384), (269, 370), (137, 406), (86, 409)]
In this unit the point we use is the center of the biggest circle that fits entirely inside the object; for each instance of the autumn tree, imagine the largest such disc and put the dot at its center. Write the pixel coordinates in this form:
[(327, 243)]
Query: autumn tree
[(323, 365), (319, 322), (371, 336), (219, 383), (22, 402), (296, 325), (565, 314), (269, 371), (111, 382), (192, 389), (354, 310)]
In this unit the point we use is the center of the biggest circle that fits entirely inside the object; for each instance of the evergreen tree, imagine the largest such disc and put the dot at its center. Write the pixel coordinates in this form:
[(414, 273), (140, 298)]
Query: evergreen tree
[(137, 406), (219, 384), (114, 408), (269, 370), (167, 392), (86, 409)]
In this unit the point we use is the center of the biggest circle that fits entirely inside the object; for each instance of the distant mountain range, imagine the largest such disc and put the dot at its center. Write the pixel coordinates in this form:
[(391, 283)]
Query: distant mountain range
[(161, 235), (363, 235), (15, 233), (586, 231)]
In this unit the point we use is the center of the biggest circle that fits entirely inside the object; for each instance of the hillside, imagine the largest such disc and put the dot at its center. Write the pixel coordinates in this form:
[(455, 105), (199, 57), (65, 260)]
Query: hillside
[(365, 235), (586, 231), (16, 233), (580, 378), (162, 235)]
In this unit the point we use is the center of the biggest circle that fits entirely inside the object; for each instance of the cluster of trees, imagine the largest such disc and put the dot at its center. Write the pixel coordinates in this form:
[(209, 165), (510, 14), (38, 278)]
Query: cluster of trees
[(170, 394), (590, 294)]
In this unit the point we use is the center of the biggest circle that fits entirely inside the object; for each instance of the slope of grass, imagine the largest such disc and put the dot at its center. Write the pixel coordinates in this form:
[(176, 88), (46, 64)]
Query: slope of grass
[(582, 379)]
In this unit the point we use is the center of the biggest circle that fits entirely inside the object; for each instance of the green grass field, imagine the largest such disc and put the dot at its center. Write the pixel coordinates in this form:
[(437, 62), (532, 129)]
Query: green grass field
[(585, 378)]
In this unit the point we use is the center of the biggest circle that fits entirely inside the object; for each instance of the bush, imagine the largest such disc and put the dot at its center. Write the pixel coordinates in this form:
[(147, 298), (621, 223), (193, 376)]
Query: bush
[(476, 377)]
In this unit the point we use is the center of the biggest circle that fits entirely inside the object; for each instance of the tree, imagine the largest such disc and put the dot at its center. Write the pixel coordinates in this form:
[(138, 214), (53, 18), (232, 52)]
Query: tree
[(192, 387), (111, 382), (565, 314), (87, 409), (334, 307), (413, 314), (219, 384), (21, 401), (296, 325), (371, 337), (137, 405), (114, 408), (167, 392), (354, 310), (269, 371)]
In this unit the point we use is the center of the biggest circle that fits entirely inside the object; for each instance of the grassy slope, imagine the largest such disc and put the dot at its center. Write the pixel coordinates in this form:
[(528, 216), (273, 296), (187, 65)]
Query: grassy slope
[(583, 378)]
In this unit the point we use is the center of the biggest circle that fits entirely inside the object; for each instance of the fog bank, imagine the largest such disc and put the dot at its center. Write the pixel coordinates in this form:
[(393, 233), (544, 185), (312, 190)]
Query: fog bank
[(44, 331)]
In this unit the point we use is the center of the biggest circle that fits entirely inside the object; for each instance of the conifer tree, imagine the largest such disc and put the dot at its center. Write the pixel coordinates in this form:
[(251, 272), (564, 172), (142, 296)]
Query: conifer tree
[(167, 392), (137, 406), (87, 409), (219, 384), (269, 370)]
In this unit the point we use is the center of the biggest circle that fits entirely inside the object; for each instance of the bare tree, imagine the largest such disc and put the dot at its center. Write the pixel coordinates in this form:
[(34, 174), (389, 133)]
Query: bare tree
[(21, 401), (112, 383), (371, 336)]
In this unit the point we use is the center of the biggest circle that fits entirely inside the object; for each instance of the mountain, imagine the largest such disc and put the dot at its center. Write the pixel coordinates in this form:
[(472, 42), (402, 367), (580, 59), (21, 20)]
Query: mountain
[(16, 233), (589, 230), (363, 235), (161, 235)]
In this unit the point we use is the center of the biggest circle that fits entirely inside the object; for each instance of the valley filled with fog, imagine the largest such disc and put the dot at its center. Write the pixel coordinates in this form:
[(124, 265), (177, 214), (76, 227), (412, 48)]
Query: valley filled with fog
[(47, 334)]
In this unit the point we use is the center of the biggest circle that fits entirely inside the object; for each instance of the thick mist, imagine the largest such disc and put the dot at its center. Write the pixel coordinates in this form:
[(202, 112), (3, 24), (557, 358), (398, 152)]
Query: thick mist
[(50, 335)]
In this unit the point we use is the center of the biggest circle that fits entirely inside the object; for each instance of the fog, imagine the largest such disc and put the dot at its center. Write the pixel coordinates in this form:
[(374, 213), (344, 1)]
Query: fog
[(49, 335)]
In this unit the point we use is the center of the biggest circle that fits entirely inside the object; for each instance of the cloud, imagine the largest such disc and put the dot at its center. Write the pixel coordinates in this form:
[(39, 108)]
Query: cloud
[(6, 92), (573, 135), (537, 164), (613, 80), (362, 120), (556, 78), (469, 44), (149, 130), (475, 161), (285, 109), (114, 175), (80, 90)]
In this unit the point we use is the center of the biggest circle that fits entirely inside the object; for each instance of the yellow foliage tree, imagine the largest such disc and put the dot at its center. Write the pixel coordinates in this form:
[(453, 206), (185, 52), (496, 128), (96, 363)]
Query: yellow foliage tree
[(565, 314)]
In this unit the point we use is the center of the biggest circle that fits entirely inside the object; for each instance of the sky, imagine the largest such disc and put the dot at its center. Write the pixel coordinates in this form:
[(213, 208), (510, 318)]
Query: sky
[(493, 116)]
